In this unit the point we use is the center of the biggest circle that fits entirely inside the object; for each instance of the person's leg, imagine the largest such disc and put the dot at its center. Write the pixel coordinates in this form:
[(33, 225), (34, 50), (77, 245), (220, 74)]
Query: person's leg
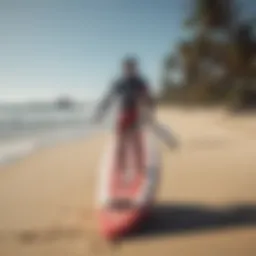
[(135, 139), (121, 140), (138, 149)]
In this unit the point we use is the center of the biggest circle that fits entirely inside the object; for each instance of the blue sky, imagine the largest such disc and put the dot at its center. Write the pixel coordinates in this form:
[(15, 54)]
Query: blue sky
[(50, 48)]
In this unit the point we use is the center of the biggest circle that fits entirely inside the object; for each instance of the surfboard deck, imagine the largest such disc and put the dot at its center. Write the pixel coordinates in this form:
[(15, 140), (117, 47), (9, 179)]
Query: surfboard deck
[(125, 201)]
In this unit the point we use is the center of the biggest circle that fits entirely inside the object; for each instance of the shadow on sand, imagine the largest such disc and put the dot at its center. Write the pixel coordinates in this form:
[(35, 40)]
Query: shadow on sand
[(170, 219)]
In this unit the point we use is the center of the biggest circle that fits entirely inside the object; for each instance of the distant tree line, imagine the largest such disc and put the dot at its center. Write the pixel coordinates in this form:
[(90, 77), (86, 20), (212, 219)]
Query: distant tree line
[(218, 64)]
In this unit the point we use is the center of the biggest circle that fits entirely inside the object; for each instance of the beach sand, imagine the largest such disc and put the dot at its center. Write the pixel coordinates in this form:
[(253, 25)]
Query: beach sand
[(206, 203)]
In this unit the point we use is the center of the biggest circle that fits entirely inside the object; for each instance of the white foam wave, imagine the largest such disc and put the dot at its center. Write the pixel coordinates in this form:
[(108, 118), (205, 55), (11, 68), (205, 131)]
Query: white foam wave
[(12, 150)]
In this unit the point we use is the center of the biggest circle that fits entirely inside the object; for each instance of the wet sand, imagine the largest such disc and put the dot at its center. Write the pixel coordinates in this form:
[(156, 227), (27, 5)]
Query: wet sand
[(206, 202)]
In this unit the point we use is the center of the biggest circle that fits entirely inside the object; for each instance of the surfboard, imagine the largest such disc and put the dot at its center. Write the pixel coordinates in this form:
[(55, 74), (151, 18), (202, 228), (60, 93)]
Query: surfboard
[(126, 196)]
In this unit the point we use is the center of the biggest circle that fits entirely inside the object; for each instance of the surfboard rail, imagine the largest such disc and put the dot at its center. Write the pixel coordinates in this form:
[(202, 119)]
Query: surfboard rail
[(113, 221)]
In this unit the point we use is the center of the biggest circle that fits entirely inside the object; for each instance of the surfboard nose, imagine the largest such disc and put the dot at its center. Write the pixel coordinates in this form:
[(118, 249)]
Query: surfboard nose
[(114, 223)]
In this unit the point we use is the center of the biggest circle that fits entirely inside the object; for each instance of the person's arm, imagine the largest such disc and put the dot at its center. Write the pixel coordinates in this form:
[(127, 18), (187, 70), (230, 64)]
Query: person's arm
[(147, 97), (105, 103), (147, 104)]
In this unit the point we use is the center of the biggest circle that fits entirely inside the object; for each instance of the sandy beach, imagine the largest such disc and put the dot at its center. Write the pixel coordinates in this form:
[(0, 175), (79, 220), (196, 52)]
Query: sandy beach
[(206, 203)]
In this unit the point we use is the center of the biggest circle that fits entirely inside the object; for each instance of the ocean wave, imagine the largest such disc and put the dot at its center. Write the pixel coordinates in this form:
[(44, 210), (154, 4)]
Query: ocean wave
[(15, 149), (23, 120), (24, 129)]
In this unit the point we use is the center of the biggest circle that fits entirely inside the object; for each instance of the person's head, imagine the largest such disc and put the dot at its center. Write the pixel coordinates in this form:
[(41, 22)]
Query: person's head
[(130, 66)]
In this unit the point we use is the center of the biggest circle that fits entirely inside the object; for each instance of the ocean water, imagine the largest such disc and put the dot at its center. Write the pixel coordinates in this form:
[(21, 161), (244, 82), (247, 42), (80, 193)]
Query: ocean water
[(26, 127)]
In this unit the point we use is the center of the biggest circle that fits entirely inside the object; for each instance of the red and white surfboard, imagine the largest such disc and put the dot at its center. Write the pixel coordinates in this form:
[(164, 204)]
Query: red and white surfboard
[(138, 193)]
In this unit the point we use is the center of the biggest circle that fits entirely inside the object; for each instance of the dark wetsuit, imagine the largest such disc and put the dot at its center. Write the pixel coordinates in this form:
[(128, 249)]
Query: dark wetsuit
[(130, 91)]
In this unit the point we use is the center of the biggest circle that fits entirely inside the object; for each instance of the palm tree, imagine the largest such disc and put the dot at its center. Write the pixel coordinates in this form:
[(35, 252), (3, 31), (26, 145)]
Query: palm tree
[(211, 14), (222, 51)]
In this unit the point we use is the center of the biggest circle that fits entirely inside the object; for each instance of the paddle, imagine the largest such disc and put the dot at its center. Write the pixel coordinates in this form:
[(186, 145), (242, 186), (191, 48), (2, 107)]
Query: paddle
[(161, 131), (164, 134)]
